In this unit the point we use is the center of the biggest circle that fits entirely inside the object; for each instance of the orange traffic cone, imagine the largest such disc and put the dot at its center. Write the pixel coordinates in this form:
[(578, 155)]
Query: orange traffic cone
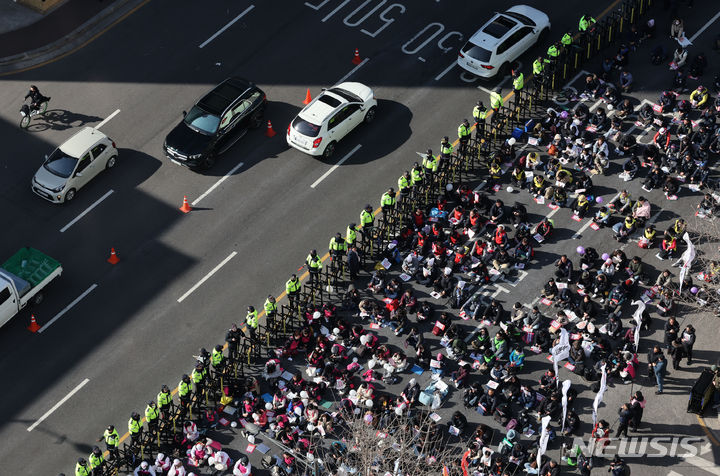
[(270, 132), (308, 98), (185, 206), (33, 327), (356, 58), (113, 259)]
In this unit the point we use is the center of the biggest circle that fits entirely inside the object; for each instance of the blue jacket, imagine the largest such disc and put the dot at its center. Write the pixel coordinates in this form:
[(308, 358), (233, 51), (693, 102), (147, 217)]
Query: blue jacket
[(516, 358)]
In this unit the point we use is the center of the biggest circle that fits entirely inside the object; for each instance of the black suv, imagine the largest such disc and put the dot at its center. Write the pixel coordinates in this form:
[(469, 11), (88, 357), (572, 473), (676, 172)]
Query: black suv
[(215, 123)]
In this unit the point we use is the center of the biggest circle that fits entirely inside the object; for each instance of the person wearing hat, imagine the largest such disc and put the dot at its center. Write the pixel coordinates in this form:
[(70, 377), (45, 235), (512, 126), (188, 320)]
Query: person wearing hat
[(446, 151), (177, 469), (314, 263), (199, 377), (162, 463), (618, 467), (152, 416), (293, 285), (112, 440), (135, 428), (185, 393), (430, 164), (144, 469), (479, 113), (82, 468), (464, 133)]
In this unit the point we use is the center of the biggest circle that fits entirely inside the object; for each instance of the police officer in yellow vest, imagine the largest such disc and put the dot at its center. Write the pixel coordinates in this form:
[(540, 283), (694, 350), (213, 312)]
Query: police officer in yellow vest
[(446, 151), (96, 461), (479, 114), (496, 99), (152, 416), (351, 235), (185, 393), (164, 401), (199, 376), (430, 164), (417, 175), (464, 133), (337, 247), (404, 185), (293, 285), (82, 468), (387, 201), (218, 359), (566, 40), (135, 428), (538, 66), (270, 306), (314, 266), (251, 322), (111, 441), (367, 217), (518, 80), (586, 23)]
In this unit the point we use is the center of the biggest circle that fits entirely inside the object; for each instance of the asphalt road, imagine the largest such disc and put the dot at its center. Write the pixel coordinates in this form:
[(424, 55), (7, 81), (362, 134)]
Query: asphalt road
[(129, 335)]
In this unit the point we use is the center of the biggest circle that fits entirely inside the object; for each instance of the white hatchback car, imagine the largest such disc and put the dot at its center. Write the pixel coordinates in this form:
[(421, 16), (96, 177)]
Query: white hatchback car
[(331, 116), (72, 165), (500, 41)]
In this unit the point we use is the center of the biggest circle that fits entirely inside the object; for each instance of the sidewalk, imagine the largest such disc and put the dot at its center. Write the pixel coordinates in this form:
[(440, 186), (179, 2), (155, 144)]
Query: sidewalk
[(28, 38)]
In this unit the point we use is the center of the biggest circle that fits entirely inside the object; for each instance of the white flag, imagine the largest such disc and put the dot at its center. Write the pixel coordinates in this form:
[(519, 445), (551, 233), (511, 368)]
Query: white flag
[(560, 351), (687, 257), (544, 437), (638, 320), (601, 391), (565, 388)]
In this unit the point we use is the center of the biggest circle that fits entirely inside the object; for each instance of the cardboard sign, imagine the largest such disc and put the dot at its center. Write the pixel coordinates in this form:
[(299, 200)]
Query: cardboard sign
[(594, 226), (575, 217)]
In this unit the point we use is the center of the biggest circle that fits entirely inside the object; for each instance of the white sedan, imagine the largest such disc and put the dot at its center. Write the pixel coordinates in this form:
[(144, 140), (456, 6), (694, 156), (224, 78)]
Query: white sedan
[(500, 41), (318, 128)]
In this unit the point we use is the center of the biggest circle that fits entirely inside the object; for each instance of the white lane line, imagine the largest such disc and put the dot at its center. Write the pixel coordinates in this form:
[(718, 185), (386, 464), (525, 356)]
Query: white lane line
[(582, 72), (353, 70), (217, 184), (705, 27), (332, 169), (67, 308), (207, 276), (446, 71), (221, 30), (107, 119), (579, 233), (594, 106), (483, 88), (87, 210), (58, 404)]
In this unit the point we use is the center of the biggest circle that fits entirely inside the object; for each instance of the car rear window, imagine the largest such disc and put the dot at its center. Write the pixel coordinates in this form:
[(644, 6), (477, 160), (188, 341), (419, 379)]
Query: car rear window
[(476, 52), (305, 128), (499, 26), (344, 93), (522, 18)]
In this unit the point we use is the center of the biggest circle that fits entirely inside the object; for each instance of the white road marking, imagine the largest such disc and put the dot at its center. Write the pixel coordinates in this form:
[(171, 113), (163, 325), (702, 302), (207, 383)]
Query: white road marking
[(483, 88), (217, 184), (705, 27), (58, 404), (67, 308), (87, 210), (594, 106), (107, 119), (582, 72), (353, 70), (421, 59), (332, 169), (446, 71), (221, 30), (207, 276), (579, 233)]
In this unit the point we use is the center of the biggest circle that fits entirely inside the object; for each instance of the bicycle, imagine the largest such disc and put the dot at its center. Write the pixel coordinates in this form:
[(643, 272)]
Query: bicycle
[(28, 111)]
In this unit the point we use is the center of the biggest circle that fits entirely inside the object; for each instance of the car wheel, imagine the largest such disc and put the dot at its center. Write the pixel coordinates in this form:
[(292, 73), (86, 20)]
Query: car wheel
[(37, 299), (329, 150), (370, 115), (504, 70), (69, 195), (209, 161), (256, 120), (111, 162), (542, 37)]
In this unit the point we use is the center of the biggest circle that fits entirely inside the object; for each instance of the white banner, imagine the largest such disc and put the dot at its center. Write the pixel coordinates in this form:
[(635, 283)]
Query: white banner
[(687, 257), (565, 388), (638, 319), (560, 351), (599, 396), (544, 437)]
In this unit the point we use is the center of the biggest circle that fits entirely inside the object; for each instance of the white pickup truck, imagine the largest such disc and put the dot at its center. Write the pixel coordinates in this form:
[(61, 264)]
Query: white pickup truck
[(22, 277)]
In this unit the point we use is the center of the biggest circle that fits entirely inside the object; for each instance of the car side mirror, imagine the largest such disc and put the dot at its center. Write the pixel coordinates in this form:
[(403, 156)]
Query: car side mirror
[(184, 113)]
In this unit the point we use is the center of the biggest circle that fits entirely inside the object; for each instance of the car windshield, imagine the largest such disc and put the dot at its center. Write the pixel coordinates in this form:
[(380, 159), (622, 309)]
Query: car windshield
[(499, 26), (60, 164), (344, 93), (521, 18), (305, 128), (476, 52), (202, 121)]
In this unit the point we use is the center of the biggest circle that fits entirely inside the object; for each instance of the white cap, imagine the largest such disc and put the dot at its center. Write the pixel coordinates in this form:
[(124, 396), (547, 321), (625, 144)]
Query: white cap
[(176, 462), (144, 465), (161, 456), (364, 339), (316, 315), (268, 406), (304, 394), (448, 271)]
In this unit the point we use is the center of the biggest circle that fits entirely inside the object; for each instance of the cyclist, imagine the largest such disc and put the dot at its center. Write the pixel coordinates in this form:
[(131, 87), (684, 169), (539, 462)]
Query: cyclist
[(36, 97)]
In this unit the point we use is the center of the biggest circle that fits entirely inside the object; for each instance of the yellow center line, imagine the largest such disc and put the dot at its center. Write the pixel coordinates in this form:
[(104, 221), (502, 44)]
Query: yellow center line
[(327, 255), (707, 431)]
